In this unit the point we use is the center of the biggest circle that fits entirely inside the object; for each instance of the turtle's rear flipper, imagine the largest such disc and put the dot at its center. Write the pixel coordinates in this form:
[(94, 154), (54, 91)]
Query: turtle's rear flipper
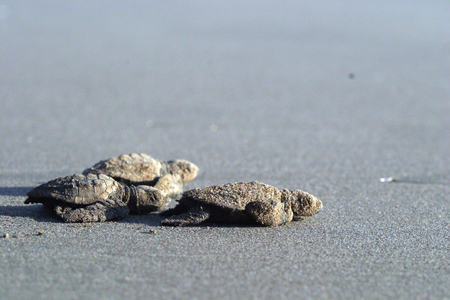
[(193, 216), (269, 212), (30, 200), (97, 212), (183, 206)]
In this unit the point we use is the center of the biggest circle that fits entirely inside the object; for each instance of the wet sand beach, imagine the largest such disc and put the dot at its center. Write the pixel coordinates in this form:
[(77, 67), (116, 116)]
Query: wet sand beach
[(324, 96)]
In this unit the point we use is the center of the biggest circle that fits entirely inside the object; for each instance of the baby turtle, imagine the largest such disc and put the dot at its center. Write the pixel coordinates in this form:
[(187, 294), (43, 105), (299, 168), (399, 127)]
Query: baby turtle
[(141, 169), (97, 198), (245, 202)]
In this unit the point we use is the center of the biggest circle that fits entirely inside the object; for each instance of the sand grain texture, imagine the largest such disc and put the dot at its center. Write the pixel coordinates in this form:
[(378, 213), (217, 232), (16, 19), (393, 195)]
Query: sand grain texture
[(252, 91)]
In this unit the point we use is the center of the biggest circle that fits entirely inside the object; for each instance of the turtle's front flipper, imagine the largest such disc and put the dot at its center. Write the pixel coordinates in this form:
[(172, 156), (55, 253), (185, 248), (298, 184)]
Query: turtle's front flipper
[(193, 216), (97, 212), (269, 212)]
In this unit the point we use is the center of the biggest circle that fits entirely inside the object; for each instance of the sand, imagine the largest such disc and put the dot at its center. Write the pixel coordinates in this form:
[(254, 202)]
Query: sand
[(327, 97)]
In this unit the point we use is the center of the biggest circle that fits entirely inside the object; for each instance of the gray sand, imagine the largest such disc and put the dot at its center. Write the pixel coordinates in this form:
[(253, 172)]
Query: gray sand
[(326, 97)]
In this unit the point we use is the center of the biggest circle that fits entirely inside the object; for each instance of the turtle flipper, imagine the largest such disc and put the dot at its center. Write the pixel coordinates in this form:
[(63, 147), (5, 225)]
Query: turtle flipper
[(269, 212), (183, 206), (97, 212), (193, 216)]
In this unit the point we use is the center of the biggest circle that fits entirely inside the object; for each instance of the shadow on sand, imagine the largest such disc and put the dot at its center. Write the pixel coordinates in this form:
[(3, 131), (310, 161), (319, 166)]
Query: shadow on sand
[(36, 212), (15, 191), (154, 220), (39, 213)]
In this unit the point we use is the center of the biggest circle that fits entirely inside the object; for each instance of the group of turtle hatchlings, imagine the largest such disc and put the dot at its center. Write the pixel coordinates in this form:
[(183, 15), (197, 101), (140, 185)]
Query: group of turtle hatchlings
[(138, 183)]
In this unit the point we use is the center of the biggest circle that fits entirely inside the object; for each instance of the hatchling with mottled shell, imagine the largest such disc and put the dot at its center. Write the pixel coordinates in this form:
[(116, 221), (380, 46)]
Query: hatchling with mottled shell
[(141, 169), (98, 198), (245, 202)]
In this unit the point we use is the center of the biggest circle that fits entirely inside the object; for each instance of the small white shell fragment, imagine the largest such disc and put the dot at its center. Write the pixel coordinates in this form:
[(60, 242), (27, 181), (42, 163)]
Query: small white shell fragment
[(387, 179)]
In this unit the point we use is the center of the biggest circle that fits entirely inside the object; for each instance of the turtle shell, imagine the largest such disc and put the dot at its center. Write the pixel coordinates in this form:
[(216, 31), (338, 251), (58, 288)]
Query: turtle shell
[(77, 190), (129, 168), (234, 195)]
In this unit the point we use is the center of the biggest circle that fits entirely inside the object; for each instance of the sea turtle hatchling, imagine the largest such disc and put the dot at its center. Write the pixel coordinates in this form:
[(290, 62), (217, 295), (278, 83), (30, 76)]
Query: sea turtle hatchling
[(138, 169), (245, 202), (97, 198)]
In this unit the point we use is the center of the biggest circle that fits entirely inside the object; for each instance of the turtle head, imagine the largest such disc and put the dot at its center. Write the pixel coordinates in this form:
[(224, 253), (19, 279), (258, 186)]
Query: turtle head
[(171, 185), (184, 168), (145, 199), (304, 204)]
